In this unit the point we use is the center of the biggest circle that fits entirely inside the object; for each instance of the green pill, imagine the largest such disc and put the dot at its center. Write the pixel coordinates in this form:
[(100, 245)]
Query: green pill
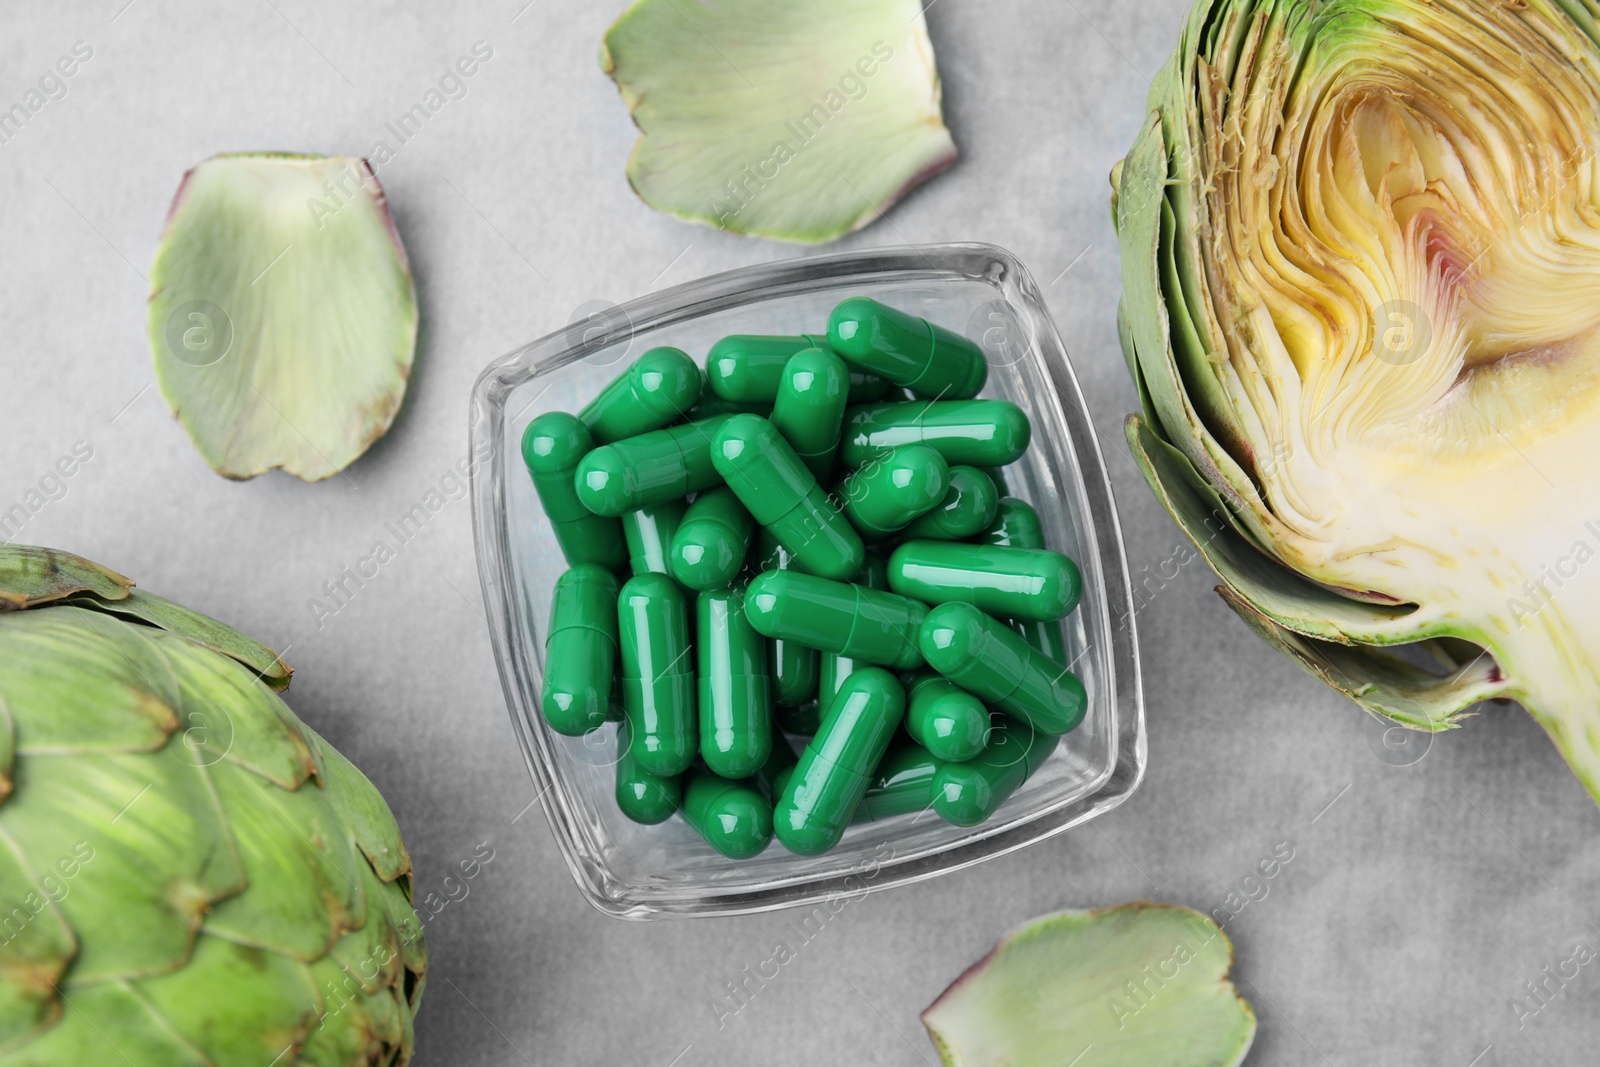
[(968, 507), (580, 650), (888, 492), (748, 368), (1033, 584), (995, 664), (649, 469), (649, 532), (945, 719), (791, 666), (834, 669), (553, 446), (660, 387), (1016, 524), (642, 796), (837, 766), (809, 410), (658, 691), (735, 709), (773, 777), (848, 620), (902, 784), (966, 794), (978, 433), (709, 548), (782, 494), (927, 359), (733, 817)]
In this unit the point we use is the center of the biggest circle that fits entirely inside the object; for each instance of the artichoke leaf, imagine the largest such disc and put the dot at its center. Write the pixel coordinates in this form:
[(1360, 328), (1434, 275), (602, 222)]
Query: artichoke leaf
[(1140, 984), (143, 1037), (283, 317), (174, 618), (36, 946), (801, 122), (30, 576)]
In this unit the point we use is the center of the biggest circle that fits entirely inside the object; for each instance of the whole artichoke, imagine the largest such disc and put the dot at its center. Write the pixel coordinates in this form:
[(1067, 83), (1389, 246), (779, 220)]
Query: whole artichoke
[(1360, 246), (188, 874)]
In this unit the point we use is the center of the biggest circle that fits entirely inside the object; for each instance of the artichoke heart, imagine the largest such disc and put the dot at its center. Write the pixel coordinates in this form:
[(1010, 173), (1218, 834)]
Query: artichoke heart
[(1360, 241)]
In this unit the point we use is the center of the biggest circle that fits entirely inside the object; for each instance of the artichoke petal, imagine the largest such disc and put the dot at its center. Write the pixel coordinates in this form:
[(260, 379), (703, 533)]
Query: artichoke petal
[(1140, 984), (283, 318), (357, 1025), (30, 576), (800, 122), (36, 944), (143, 1037), (164, 614)]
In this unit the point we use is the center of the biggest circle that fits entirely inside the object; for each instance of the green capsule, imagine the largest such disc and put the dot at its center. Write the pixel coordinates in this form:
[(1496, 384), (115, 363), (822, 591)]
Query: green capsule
[(888, 493), (902, 784), (748, 368), (929, 360), (945, 719), (735, 708), (1033, 584), (658, 690), (553, 446), (850, 620), (710, 545), (834, 668), (649, 531), (968, 507), (979, 433), (660, 387), (837, 766), (773, 777), (733, 817), (966, 794), (580, 650), (996, 665), (1016, 524), (782, 494), (642, 796), (791, 666), (649, 469), (809, 410)]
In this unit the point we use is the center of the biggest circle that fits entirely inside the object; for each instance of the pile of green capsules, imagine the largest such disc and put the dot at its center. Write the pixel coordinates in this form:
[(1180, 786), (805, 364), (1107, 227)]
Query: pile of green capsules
[(821, 546)]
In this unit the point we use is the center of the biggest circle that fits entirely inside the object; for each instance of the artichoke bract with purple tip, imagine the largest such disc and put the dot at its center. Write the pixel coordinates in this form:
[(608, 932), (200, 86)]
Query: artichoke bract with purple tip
[(188, 874), (1360, 240)]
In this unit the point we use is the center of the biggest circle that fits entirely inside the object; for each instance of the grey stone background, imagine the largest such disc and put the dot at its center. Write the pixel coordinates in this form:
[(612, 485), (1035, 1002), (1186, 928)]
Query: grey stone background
[(1423, 892)]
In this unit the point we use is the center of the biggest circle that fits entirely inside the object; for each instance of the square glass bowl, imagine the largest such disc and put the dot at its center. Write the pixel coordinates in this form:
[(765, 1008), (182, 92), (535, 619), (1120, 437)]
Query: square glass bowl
[(641, 872)]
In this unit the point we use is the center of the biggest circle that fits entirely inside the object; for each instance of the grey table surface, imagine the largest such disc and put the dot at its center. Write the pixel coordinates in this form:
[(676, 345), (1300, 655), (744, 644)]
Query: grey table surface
[(1426, 886)]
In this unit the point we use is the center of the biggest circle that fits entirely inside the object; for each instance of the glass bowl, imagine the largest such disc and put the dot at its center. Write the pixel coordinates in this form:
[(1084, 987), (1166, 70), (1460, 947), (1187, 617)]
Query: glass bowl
[(640, 872)]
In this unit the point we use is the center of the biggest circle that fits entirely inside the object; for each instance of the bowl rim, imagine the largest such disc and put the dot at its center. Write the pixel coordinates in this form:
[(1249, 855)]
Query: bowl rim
[(731, 288)]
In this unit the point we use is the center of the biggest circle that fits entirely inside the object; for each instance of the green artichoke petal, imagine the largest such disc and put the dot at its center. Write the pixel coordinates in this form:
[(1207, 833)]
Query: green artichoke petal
[(108, 1025), (1141, 985), (303, 869), (1381, 681), (164, 614), (237, 1004), (35, 946), (160, 853), (357, 1025), (30, 576), (363, 809), (228, 713), (123, 696)]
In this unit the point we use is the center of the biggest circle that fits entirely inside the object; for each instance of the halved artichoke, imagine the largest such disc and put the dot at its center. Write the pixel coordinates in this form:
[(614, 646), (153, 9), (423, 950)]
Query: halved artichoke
[(801, 121), (189, 876), (283, 319), (1138, 985), (1360, 245)]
